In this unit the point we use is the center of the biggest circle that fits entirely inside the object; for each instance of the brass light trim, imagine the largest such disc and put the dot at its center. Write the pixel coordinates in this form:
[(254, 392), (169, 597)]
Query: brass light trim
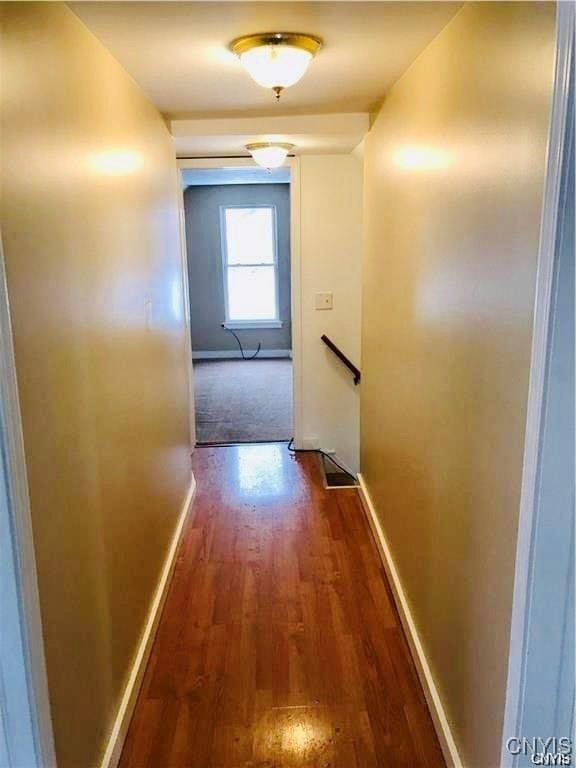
[(309, 43), (265, 144)]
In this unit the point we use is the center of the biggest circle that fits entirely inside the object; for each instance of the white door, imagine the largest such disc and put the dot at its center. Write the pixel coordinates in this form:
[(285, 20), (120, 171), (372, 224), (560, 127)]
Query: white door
[(539, 725), (26, 739), (17, 740), (547, 706)]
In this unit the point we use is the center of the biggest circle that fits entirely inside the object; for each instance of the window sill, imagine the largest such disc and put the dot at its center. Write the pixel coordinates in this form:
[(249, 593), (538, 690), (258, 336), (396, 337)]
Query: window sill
[(247, 325)]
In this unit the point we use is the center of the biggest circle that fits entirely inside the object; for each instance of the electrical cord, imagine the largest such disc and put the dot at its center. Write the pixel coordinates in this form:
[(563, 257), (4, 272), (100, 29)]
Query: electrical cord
[(244, 357), (290, 446), (321, 453)]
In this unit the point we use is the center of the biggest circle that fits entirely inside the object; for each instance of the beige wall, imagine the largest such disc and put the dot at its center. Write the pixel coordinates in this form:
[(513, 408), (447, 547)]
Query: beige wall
[(331, 229), (453, 186), (90, 233)]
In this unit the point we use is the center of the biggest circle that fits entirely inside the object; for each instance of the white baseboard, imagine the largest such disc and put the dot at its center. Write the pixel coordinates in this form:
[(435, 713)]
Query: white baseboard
[(433, 699), (234, 354), (128, 700)]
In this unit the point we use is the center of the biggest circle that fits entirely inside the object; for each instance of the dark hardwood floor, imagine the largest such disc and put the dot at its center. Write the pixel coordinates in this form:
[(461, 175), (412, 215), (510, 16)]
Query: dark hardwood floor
[(279, 646)]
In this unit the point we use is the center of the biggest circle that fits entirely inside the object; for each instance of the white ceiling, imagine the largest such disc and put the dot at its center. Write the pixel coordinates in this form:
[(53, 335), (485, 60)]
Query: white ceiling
[(310, 134), (177, 51)]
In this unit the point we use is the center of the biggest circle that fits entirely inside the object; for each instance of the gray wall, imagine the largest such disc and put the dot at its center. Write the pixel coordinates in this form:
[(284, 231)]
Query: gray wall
[(202, 207)]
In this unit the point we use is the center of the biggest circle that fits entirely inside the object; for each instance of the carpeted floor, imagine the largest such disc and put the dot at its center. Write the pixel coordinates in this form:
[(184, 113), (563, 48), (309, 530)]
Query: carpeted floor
[(242, 401)]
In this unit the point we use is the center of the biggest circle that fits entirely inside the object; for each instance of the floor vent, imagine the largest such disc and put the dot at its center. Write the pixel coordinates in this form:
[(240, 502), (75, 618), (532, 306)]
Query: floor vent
[(334, 476)]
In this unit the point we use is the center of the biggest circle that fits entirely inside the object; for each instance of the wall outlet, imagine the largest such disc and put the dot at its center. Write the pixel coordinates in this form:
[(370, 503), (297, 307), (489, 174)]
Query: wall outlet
[(323, 301)]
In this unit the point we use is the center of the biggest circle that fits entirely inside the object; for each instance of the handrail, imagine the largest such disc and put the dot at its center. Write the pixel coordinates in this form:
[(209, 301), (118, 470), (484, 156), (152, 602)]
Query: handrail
[(341, 356)]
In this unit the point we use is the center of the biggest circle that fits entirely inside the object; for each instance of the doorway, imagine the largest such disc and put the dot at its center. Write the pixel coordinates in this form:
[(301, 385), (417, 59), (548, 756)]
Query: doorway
[(238, 229), (26, 737), (540, 698)]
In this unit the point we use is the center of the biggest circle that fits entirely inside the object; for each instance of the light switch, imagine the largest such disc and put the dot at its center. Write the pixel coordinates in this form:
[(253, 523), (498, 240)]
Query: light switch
[(323, 301)]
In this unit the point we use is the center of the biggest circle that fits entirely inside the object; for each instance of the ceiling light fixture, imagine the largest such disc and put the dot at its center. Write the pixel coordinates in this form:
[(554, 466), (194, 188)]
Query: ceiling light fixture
[(269, 155), (276, 60)]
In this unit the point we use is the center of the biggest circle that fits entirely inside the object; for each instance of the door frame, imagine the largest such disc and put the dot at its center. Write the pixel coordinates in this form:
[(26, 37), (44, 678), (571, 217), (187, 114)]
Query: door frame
[(541, 340), (293, 163), (26, 622)]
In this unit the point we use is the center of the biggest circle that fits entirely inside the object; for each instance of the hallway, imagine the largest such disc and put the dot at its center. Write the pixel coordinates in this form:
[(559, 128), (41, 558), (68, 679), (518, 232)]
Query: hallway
[(172, 173), (278, 645)]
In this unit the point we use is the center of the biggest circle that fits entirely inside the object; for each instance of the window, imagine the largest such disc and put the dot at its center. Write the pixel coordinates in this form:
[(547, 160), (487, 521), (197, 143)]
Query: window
[(250, 265)]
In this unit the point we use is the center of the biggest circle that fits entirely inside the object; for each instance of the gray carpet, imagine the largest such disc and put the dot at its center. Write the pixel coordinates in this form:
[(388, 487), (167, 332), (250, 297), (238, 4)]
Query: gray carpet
[(242, 401)]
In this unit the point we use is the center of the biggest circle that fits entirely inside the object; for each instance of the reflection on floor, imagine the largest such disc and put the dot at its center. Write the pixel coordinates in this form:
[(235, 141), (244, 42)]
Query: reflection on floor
[(278, 646), (240, 401)]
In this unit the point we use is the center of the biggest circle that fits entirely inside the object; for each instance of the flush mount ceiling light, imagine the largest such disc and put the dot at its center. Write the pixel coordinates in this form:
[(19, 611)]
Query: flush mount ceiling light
[(276, 60), (269, 155)]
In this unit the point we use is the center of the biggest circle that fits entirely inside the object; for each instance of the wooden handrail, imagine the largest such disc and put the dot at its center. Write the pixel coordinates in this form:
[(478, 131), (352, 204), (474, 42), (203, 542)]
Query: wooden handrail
[(341, 356)]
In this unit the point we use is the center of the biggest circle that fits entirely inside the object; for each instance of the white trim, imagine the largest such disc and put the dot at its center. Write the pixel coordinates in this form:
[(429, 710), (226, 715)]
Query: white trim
[(295, 269), (433, 699), (252, 325), (235, 354), (128, 701), (296, 300), (21, 523), (186, 308), (540, 343)]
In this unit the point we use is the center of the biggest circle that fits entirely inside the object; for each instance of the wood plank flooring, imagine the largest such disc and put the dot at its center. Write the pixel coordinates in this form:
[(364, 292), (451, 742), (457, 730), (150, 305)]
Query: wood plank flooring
[(279, 646)]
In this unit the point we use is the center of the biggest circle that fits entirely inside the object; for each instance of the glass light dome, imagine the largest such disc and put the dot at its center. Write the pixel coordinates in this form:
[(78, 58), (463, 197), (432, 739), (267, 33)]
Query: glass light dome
[(269, 155), (276, 60)]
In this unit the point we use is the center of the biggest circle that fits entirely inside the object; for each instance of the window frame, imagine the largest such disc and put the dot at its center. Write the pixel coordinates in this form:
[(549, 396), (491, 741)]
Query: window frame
[(273, 322)]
